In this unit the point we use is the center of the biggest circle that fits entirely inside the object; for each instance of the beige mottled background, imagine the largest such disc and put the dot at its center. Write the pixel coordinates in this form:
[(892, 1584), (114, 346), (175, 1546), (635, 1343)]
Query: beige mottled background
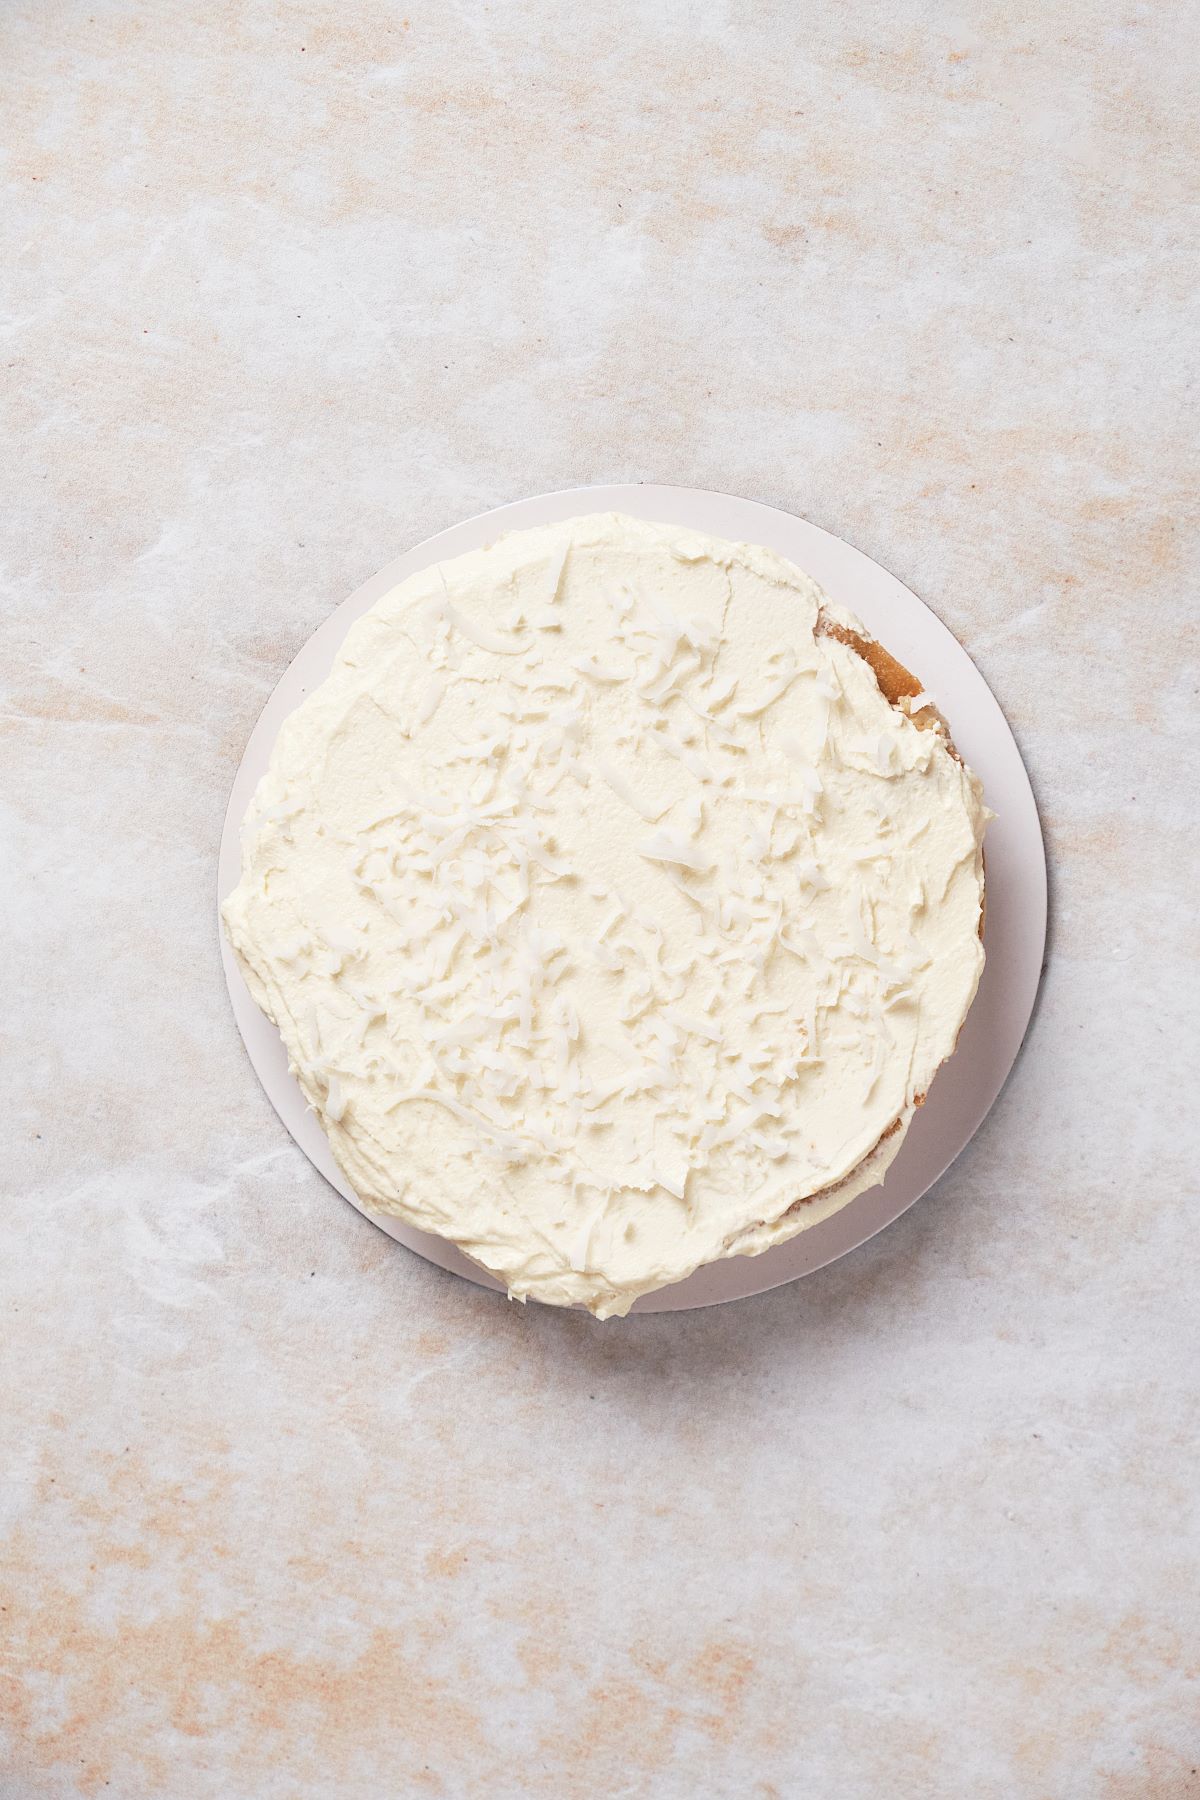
[(283, 1512)]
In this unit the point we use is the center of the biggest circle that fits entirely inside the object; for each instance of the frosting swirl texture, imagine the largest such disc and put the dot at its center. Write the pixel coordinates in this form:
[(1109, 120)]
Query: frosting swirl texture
[(613, 918)]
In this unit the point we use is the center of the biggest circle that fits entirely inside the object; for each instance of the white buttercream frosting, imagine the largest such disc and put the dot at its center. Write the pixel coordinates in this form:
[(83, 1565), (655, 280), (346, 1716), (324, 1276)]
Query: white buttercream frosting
[(612, 918)]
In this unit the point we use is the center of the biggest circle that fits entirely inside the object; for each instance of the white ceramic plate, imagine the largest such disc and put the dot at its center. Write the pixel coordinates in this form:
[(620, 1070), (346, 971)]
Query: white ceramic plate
[(964, 1090)]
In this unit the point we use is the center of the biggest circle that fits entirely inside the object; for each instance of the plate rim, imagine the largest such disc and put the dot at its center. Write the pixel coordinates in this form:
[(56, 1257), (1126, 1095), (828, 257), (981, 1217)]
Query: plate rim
[(867, 580)]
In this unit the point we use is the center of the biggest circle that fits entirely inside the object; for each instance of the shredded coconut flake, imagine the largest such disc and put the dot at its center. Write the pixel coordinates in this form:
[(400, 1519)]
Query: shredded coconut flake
[(480, 634), (666, 847)]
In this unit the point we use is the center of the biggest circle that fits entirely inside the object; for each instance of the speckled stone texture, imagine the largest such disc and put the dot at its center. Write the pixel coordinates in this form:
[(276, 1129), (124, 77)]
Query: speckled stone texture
[(283, 1512)]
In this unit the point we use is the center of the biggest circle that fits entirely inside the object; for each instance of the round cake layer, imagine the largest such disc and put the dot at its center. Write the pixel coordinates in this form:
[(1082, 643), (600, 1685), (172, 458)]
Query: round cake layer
[(615, 902)]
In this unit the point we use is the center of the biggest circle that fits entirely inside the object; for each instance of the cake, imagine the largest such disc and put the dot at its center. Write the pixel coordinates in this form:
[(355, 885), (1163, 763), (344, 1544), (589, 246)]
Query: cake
[(617, 899)]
